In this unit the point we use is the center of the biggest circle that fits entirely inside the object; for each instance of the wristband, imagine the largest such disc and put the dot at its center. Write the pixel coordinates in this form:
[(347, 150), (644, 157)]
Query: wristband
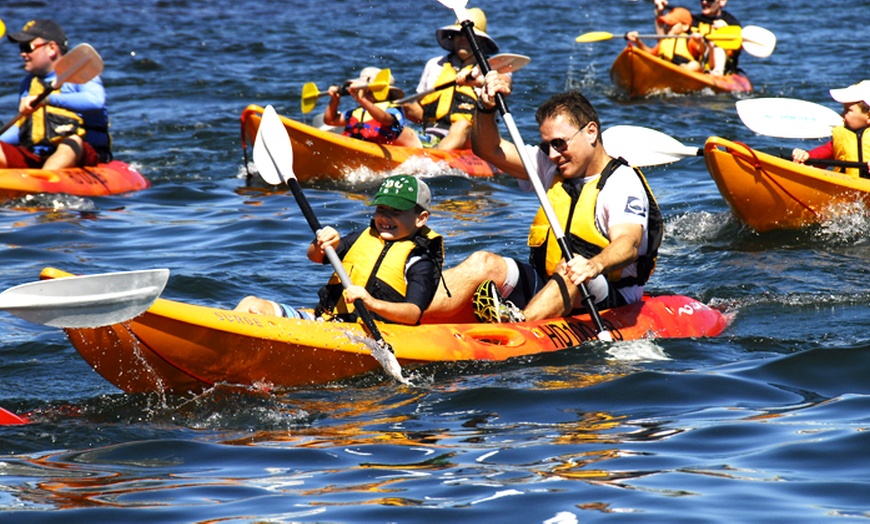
[(482, 109)]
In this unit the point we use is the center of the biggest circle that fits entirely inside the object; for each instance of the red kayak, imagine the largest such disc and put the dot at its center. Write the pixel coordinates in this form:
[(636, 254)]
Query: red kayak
[(111, 178)]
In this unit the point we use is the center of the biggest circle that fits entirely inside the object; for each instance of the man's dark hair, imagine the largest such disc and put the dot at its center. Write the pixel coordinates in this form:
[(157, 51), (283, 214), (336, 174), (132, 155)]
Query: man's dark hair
[(572, 105)]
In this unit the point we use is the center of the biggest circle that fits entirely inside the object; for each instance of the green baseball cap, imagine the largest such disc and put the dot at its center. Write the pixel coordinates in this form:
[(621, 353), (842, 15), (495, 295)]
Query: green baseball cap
[(403, 192)]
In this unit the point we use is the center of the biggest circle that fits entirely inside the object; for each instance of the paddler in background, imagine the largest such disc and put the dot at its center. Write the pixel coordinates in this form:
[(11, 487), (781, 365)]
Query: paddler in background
[(373, 121), (446, 114), (72, 128), (684, 52), (851, 141), (712, 16)]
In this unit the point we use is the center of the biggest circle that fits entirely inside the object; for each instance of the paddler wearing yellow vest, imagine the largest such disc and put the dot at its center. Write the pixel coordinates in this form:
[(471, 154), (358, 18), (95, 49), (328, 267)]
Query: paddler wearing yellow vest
[(394, 265), (446, 114), (851, 141), (684, 52), (72, 128), (713, 15)]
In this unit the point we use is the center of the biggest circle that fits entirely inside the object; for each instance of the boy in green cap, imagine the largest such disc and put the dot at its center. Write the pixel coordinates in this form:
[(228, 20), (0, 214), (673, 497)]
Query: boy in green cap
[(394, 265)]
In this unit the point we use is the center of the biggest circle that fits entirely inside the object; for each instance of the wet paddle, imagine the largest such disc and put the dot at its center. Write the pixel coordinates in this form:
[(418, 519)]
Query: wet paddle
[(380, 88), (273, 156), (458, 7), (7, 418), (85, 301), (642, 146), (79, 66), (787, 117), (503, 63), (757, 41)]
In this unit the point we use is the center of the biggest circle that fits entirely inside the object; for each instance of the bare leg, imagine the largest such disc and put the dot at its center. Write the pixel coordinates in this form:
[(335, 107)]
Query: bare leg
[(68, 154), (458, 137), (549, 303), (462, 281), (258, 306), (409, 138)]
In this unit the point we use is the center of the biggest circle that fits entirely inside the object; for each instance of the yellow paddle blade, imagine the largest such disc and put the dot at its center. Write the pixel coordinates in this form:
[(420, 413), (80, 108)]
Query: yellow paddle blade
[(380, 86), (2, 29), (728, 37), (310, 94), (594, 36)]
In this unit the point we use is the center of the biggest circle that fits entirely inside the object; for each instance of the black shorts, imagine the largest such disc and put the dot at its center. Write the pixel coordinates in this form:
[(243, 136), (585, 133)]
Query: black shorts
[(530, 283)]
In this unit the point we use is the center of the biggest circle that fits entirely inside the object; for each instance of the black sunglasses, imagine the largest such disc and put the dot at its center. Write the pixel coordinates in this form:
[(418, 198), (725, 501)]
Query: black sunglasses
[(559, 144), (29, 47)]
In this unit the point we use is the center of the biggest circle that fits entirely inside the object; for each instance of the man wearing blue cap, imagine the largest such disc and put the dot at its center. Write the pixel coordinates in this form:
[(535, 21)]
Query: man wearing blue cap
[(72, 128)]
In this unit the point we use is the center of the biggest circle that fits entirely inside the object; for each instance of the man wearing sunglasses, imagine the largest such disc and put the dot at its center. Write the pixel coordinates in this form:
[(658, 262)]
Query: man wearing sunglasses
[(610, 218), (712, 16), (72, 128)]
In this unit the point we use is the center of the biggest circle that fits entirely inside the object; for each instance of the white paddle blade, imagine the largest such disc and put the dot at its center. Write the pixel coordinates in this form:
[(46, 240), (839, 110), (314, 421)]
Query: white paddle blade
[(641, 146), (79, 66), (458, 7), (273, 152), (508, 62), (86, 301), (787, 117), (758, 41)]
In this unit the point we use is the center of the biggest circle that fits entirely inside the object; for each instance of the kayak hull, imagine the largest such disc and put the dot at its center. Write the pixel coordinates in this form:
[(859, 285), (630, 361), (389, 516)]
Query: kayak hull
[(177, 347), (641, 74), (770, 193), (111, 178), (319, 154)]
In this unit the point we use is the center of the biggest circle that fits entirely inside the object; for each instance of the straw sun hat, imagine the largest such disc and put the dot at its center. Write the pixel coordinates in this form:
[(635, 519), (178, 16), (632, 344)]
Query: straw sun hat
[(446, 34)]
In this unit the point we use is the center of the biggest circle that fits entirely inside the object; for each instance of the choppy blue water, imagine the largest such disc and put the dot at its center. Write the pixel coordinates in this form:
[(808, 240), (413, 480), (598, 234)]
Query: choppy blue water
[(766, 422)]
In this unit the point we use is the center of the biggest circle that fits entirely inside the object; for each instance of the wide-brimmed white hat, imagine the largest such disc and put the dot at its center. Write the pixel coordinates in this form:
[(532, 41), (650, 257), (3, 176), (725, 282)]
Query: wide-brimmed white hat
[(859, 92), (367, 76), (487, 44)]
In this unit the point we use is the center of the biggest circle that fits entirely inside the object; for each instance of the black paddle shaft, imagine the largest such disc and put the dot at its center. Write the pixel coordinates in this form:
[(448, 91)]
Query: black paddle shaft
[(483, 64), (315, 226)]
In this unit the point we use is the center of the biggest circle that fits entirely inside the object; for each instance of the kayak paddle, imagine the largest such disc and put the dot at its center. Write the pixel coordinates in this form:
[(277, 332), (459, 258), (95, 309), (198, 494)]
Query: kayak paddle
[(787, 117), (85, 301), (503, 63), (7, 418), (757, 41), (642, 146), (458, 7), (380, 87), (79, 66), (273, 156)]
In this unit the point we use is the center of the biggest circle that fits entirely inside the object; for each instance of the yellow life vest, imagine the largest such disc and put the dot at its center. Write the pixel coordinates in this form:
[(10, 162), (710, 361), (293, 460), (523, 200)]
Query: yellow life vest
[(576, 215), (379, 267), (851, 146), (48, 125), (671, 48), (441, 104)]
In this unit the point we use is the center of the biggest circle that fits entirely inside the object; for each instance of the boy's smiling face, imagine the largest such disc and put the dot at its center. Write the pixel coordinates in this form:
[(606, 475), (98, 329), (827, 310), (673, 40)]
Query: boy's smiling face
[(393, 224), (855, 117)]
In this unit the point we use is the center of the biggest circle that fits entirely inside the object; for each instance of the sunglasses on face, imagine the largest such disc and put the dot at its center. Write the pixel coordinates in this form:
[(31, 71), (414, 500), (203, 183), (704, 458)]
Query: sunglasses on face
[(29, 47), (559, 144)]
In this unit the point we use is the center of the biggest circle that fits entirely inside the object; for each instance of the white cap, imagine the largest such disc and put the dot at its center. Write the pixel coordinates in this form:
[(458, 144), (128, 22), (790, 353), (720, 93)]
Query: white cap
[(859, 92)]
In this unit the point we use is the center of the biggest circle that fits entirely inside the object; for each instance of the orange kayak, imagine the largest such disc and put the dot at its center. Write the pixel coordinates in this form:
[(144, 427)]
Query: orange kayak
[(180, 347), (103, 179), (326, 155), (640, 74), (767, 192)]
